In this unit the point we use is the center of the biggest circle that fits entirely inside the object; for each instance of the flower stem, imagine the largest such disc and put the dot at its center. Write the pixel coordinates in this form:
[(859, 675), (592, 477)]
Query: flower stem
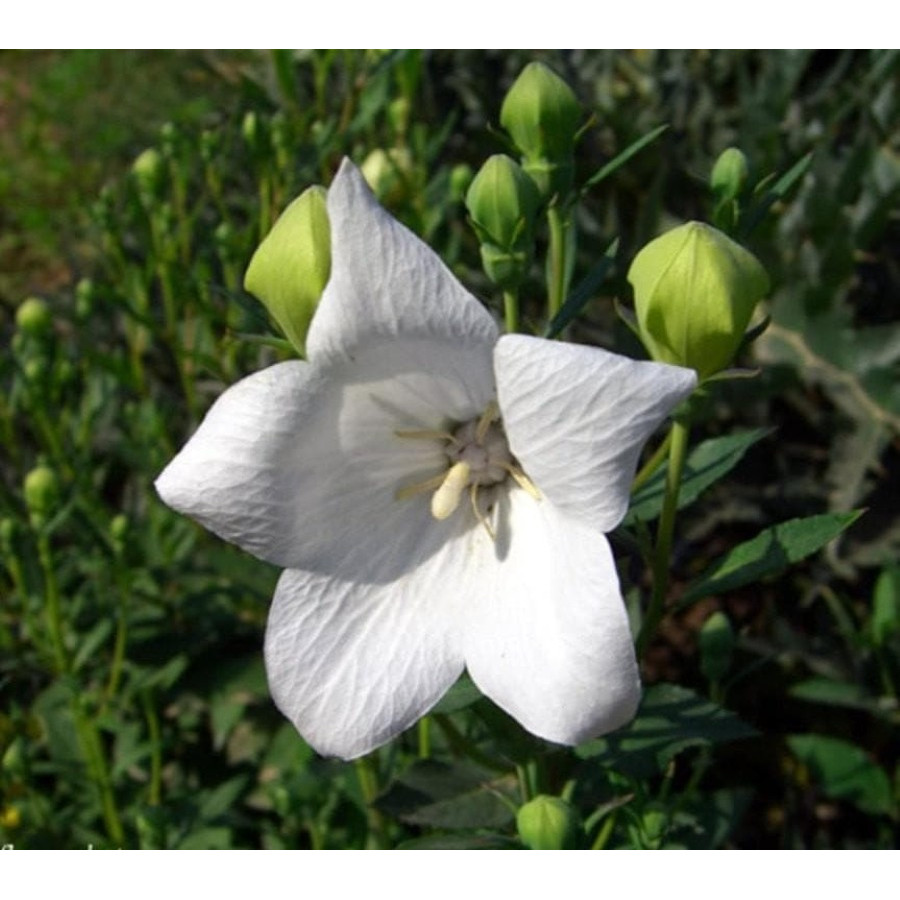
[(511, 310), (678, 441), (367, 774), (556, 273), (648, 470)]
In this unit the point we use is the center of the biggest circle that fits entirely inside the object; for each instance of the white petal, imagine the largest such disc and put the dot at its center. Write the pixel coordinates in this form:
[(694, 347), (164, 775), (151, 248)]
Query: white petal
[(386, 283), (577, 418), (352, 665), (301, 469), (547, 636)]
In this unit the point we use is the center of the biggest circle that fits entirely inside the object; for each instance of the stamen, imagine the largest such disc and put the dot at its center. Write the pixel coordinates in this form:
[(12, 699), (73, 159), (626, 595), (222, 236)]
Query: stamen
[(521, 479), (427, 435), (490, 414), (411, 490), (473, 497), (446, 497)]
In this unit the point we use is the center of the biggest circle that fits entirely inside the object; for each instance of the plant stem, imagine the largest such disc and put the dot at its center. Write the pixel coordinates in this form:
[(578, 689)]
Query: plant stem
[(649, 468), (556, 275), (678, 441), (511, 310), (367, 774), (424, 737)]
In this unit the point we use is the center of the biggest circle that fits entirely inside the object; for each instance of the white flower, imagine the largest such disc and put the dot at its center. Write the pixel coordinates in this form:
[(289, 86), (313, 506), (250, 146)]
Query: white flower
[(437, 496)]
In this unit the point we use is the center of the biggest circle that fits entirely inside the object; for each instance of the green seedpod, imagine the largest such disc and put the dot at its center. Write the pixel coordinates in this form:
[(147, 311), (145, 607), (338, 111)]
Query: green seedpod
[(695, 290), (716, 646), (291, 267), (149, 172), (550, 823)]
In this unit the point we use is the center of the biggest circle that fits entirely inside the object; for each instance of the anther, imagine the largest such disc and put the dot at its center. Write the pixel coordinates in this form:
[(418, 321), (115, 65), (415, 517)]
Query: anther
[(446, 498)]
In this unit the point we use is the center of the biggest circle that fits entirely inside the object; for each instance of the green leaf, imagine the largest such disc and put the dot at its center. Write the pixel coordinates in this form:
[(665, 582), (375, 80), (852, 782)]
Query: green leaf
[(671, 719), (758, 211), (586, 288), (461, 842), (705, 465), (844, 772), (839, 693), (769, 552), (620, 159), (464, 693), (443, 795), (886, 606)]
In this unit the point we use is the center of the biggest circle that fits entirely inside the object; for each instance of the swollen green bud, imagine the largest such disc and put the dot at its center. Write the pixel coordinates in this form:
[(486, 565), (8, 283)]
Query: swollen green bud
[(695, 290), (542, 115), (33, 317), (389, 173), (729, 174), (149, 171), (291, 266), (461, 176), (503, 202), (41, 490), (549, 823), (716, 646)]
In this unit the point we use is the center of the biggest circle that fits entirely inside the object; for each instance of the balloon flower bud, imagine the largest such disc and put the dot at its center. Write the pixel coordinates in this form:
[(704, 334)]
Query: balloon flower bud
[(542, 115), (389, 173), (33, 317), (549, 823), (729, 174), (149, 173), (503, 202), (41, 491), (695, 290), (290, 268)]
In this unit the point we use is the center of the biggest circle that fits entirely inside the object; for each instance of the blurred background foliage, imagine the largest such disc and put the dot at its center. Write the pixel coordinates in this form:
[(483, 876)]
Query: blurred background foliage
[(134, 187)]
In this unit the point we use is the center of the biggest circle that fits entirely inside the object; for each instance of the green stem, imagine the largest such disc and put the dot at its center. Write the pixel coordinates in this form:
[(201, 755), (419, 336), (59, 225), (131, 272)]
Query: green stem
[(648, 470), (511, 310), (424, 737), (51, 606), (556, 286), (367, 774), (677, 454), (154, 792), (605, 832)]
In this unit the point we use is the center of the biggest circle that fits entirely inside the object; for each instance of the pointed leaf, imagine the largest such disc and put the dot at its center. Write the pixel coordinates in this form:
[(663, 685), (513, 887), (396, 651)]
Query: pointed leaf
[(620, 159), (769, 552)]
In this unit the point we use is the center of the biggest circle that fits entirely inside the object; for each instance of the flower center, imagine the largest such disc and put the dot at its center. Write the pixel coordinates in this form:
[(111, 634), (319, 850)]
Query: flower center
[(479, 459)]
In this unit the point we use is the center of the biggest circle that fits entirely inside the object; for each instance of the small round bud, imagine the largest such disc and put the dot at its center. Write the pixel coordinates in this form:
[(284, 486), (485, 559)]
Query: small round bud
[(291, 267), (388, 173), (461, 176), (502, 202), (33, 317), (729, 174), (716, 646), (118, 527), (550, 823), (41, 490), (149, 171), (695, 290), (398, 115), (85, 296)]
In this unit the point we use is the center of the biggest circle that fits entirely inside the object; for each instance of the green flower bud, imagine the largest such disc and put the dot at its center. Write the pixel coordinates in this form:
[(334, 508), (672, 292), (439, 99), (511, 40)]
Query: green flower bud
[(503, 202), (388, 173), (41, 490), (149, 171), (118, 529), (291, 266), (33, 317), (542, 115), (85, 294), (716, 646), (695, 290), (549, 823), (461, 176), (729, 174)]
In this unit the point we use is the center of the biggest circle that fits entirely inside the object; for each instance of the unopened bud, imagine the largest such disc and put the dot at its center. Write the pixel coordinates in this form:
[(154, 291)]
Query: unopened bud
[(716, 646), (550, 823), (389, 173), (729, 174), (33, 317), (41, 490), (542, 115), (695, 290), (291, 267), (502, 202), (149, 173)]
